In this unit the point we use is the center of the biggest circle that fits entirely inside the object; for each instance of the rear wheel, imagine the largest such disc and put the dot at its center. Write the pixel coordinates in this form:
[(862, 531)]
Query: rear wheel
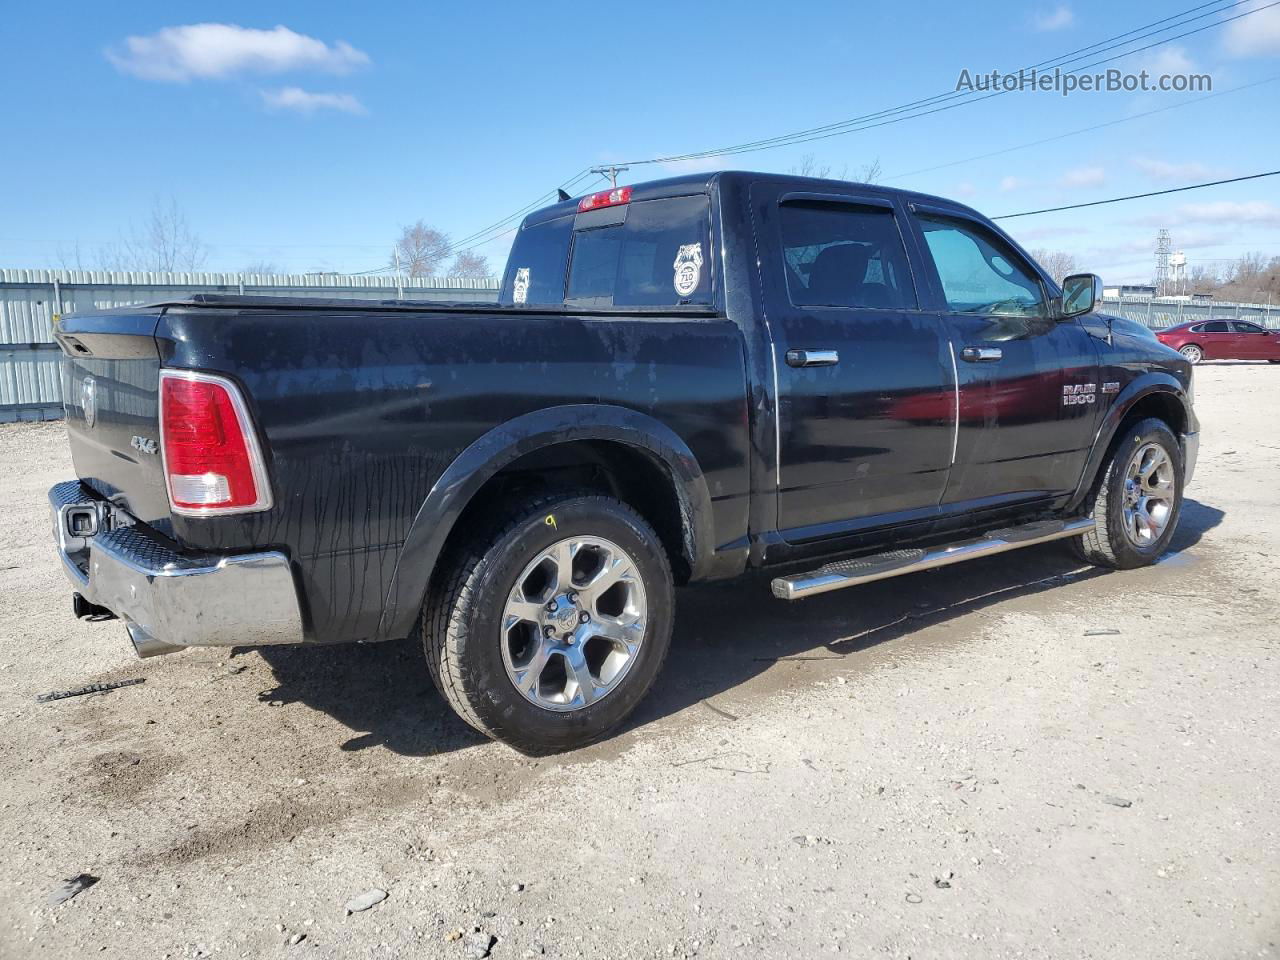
[(554, 623), (1136, 506), (1192, 353)]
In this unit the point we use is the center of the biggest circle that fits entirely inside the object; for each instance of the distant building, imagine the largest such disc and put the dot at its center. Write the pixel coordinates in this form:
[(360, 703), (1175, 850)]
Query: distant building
[(1130, 290)]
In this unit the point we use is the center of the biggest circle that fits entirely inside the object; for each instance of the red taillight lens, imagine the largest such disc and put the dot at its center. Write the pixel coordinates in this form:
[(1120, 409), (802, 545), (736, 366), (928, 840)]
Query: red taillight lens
[(211, 458), (605, 198)]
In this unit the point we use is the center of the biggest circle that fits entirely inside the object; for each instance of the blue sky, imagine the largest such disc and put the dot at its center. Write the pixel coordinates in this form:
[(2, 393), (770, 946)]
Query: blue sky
[(306, 134)]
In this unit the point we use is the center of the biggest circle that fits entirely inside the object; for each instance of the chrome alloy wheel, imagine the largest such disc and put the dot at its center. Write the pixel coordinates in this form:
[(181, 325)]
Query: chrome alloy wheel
[(574, 623), (1149, 491), (1192, 353)]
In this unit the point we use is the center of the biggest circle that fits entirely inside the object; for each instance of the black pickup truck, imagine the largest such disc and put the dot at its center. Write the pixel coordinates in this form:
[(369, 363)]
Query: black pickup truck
[(681, 380)]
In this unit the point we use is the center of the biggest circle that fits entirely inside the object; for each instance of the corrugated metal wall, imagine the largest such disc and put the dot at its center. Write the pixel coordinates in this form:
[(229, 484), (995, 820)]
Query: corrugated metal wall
[(30, 388), (1158, 314)]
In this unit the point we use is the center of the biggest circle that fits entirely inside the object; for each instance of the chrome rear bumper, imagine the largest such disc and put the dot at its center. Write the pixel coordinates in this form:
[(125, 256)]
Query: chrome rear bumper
[(167, 599)]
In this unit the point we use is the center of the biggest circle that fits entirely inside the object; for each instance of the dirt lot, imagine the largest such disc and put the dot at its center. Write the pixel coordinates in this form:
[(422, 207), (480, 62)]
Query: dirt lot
[(1018, 757)]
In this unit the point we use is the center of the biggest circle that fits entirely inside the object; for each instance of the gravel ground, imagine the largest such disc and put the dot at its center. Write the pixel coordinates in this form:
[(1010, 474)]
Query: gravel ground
[(1017, 757)]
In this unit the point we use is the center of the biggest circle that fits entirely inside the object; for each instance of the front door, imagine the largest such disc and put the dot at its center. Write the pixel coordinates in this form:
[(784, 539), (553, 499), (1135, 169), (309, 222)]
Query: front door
[(1029, 393), (865, 388), (1255, 342)]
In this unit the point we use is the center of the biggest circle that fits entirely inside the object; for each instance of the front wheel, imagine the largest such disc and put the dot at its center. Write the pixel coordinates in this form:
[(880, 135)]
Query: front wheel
[(1192, 353), (554, 622), (1138, 501)]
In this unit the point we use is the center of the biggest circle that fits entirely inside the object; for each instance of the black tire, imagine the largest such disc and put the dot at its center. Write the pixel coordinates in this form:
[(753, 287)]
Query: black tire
[(461, 627), (1107, 544)]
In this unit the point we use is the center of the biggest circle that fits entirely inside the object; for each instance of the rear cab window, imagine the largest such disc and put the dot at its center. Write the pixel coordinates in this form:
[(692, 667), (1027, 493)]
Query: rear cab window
[(647, 253), (844, 255)]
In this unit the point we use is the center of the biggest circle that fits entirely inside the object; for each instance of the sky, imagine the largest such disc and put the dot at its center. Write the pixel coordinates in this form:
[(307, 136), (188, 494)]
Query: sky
[(305, 135)]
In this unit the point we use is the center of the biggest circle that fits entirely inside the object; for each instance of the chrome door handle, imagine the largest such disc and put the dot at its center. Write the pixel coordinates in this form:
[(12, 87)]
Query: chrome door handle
[(981, 354), (812, 358)]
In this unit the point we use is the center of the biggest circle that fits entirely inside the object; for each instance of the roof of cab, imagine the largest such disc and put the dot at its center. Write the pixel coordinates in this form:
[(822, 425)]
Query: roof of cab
[(693, 183)]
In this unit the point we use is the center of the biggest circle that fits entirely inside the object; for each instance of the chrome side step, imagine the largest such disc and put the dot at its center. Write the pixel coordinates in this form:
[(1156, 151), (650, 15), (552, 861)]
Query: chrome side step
[(880, 566)]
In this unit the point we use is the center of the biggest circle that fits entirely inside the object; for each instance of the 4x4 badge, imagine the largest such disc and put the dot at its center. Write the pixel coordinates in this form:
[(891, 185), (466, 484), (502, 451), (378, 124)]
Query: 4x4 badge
[(144, 444)]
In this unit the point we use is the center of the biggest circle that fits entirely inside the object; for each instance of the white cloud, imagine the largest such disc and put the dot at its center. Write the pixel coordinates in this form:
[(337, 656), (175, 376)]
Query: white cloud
[(1052, 233), (1058, 18), (1172, 59), (1231, 211), (1010, 183), (212, 50), (1176, 172), (1257, 35), (965, 189), (295, 98), (1084, 177)]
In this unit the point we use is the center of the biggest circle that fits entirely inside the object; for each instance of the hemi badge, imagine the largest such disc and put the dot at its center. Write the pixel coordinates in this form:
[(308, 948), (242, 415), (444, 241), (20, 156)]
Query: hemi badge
[(1111, 386), (144, 444)]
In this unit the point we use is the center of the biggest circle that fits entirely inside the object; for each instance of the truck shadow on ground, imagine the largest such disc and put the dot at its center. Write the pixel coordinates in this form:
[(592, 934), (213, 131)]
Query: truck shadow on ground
[(725, 636)]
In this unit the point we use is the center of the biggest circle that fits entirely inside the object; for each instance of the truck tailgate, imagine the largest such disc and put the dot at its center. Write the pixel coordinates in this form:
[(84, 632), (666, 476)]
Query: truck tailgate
[(110, 383)]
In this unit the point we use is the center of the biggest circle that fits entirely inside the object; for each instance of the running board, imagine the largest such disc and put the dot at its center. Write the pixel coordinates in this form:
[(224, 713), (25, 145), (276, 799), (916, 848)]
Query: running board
[(894, 563)]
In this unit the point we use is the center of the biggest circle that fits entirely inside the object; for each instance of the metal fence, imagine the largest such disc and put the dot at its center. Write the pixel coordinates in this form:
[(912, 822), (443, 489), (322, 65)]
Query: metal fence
[(31, 389), (30, 386), (1159, 313)]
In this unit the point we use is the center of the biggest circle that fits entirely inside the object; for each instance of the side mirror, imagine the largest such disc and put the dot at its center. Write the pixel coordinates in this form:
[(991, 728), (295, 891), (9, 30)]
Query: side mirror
[(1081, 292)]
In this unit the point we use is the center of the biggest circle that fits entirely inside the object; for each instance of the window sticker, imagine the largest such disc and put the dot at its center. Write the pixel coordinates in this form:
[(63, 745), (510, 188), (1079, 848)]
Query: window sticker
[(521, 292), (688, 267)]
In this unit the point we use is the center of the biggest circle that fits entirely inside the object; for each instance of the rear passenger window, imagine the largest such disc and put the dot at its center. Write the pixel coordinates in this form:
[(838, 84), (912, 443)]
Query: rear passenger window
[(535, 268), (1216, 326), (844, 256), (659, 255)]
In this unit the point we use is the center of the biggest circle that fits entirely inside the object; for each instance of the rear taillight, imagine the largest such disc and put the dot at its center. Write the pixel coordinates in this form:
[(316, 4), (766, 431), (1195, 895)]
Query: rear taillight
[(605, 198), (212, 461)]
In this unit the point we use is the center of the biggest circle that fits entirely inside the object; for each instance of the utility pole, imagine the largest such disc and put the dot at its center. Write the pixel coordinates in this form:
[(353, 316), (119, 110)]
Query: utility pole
[(611, 172)]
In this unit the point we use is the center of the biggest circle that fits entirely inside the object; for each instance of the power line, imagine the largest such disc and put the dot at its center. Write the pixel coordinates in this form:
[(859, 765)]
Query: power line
[(1073, 133), (497, 229), (912, 110), (1137, 196), (894, 114)]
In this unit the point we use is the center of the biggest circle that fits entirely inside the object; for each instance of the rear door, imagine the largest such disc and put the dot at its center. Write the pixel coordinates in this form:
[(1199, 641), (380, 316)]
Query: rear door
[(1028, 384), (1218, 340), (866, 395)]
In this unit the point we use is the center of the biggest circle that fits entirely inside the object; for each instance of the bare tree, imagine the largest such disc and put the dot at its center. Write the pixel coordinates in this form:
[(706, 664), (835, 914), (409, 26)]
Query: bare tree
[(164, 243), (1254, 278), (868, 172), (420, 250), (260, 266), (469, 264), (810, 167), (1057, 263), (1202, 279)]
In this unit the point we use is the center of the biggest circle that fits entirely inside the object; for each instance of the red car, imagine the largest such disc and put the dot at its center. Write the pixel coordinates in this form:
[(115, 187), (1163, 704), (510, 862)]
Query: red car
[(1222, 340)]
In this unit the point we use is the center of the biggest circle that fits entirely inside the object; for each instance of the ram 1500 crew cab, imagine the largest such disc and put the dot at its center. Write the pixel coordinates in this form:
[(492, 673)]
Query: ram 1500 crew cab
[(681, 380)]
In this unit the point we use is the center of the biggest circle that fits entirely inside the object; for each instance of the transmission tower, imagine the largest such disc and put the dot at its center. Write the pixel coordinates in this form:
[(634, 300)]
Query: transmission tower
[(1163, 245)]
